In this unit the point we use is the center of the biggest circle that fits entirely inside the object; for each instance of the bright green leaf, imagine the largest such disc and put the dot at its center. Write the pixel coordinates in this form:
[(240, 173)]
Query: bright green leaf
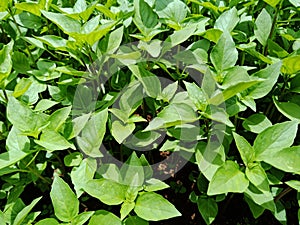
[(153, 207), (228, 178)]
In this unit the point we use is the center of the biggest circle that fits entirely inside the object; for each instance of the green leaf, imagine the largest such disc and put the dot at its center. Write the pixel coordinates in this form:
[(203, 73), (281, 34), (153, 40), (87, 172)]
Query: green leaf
[(78, 124), (73, 159), (196, 95), (135, 220), (155, 185), (4, 5), (53, 141), (290, 65), (153, 207), (21, 87), (245, 149), (270, 74), (256, 209), (145, 13), (58, 118), (274, 138), (21, 116), (150, 81), (295, 3), (56, 42), (232, 91), (288, 109), (98, 189), (65, 203), (48, 221), (104, 217), (257, 123), (172, 115), (114, 41), (20, 62), (92, 134), (29, 20), (227, 20), (82, 174), (224, 54), (208, 209), (228, 178), (126, 208), (24, 212), (286, 159), (16, 141), (258, 177), (263, 27), (175, 11), (5, 61), (209, 158), (272, 3), (82, 218), (32, 7), (132, 171), (143, 140), (264, 199), (44, 104), (295, 184), (65, 23)]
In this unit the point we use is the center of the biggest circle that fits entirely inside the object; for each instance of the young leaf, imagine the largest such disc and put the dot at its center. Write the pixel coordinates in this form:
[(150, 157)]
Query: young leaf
[(228, 178), (257, 123), (121, 131), (245, 149), (92, 134), (155, 185), (21, 87), (104, 217), (5, 61), (82, 174), (21, 116), (228, 20), (224, 54), (153, 207), (150, 81), (126, 208), (270, 74), (196, 95), (53, 141), (272, 3), (208, 209), (175, 11), (65, 203), (263, 27), (82, 218), (274, 138), (24, 212), (98, 189), (58, 118), (258, 177)]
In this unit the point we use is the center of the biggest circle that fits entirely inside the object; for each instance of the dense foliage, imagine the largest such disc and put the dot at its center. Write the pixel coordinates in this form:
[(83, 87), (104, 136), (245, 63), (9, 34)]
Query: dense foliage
[(159, 85)]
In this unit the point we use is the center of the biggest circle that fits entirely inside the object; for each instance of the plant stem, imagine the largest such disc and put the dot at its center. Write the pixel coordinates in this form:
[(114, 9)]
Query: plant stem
[(283, 193)]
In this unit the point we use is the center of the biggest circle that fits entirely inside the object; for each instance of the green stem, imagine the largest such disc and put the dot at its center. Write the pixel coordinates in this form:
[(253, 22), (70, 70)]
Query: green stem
[(272, 28)]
